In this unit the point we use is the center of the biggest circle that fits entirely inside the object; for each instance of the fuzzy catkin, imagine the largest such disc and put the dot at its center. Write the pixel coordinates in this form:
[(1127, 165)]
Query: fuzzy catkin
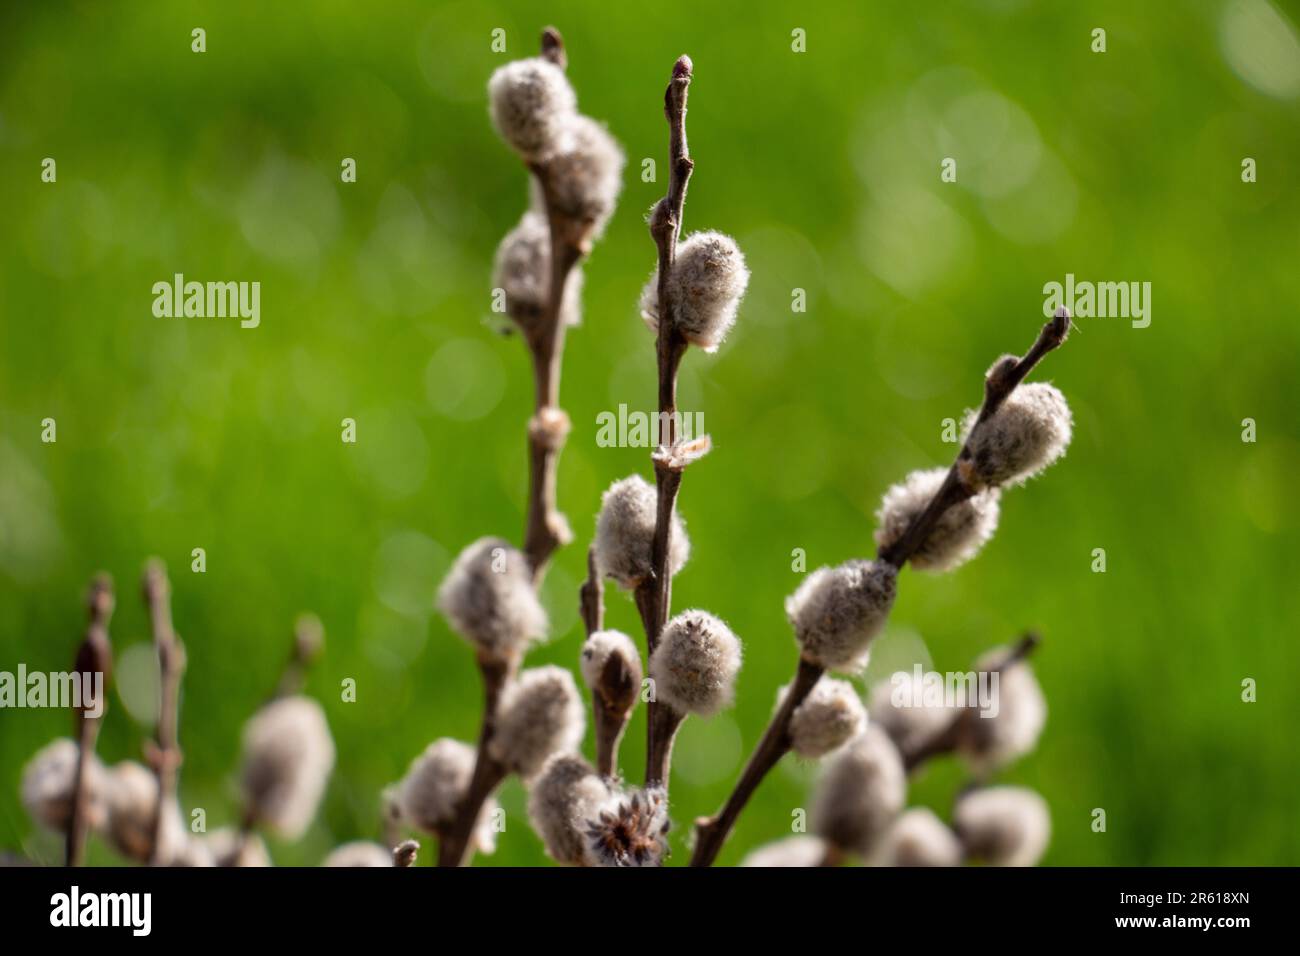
[(899, 707), (541, 714), (522, 270), (705, 286), (132, 800), (861, 790), (566, 794), (625, 532), (429, 795), (597, 651), (794, 851), (359, 853), (1003, 826), (1030, 430), (530, 100), (695, 664), (48, 780), (629, 830), (957, 536), (488, 598), (836, 612), (990, 743), (288, 755), (919, 838), (584, 174), (830, 716), (228, 847)]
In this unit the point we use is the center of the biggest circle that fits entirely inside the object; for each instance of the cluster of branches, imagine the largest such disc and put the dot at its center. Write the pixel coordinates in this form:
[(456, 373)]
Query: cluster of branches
[(533, 723)]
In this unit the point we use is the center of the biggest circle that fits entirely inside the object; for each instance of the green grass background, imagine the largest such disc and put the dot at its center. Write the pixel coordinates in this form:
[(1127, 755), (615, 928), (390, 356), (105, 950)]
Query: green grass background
[(177, 434)]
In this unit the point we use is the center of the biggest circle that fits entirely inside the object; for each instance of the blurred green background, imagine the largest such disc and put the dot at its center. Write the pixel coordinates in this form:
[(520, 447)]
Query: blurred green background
[(175, 434)]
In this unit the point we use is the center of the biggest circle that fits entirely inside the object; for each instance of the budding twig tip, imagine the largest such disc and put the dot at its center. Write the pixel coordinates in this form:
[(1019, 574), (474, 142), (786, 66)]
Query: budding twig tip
[(683, 68)]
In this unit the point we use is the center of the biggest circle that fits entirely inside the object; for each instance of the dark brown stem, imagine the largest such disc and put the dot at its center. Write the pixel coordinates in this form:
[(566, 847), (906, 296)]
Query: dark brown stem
[(664, 723), (94, 657), (454, 848), (591, 597), (948, 738), (1000, 382), (612, 701), (166, 755), (711, 832), (545, 528), (308, 642)]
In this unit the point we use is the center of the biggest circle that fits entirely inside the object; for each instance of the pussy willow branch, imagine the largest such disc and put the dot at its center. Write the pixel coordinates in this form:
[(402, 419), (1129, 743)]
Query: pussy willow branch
[(654, 597), (94, 656), (614, 696), (591, 596), (454, 847), (711, 832), (546, 528), (166, 754), (1001, 381), (947, 739)]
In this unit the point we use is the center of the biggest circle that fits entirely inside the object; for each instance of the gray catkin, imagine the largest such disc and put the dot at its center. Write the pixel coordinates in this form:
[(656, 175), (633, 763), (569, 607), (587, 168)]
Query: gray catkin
[(707, 282), (565, 795), (488, 598), (132, 799), (529, 101), (584, 174), (919, 838), (287, 758), (959, 533), (428, 796), (990, 743), (1030, 430), (837, 611), (830, 716), (695, 664), (522, 270), (861, 790), (1003, 826), (898, 706), (600, 647), (359, 853), (625, 532), (794, 851), (541, 714), (48, 780), (228, 847)]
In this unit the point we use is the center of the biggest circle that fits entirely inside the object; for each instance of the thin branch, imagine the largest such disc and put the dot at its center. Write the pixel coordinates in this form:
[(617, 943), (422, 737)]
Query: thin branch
[(711, 832), (612, 702), (665, 227), (591, 596), (454, 848), (94, 657), (545, 528), (1001, 381), (948, 738), (166, 754)]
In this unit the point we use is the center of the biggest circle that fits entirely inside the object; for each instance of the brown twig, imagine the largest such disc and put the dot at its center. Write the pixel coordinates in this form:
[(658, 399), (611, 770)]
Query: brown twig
[(94, 657), (454, 847), (591, 597), (654, 598), (546, 528), (308, 642), (1000, 382), (404, 853), (711, 832), (166, 754), (948, 738)]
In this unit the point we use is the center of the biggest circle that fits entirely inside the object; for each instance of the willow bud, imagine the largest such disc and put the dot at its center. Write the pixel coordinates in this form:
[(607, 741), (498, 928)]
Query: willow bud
[(695, 664), (956, 537), (837, 612)]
